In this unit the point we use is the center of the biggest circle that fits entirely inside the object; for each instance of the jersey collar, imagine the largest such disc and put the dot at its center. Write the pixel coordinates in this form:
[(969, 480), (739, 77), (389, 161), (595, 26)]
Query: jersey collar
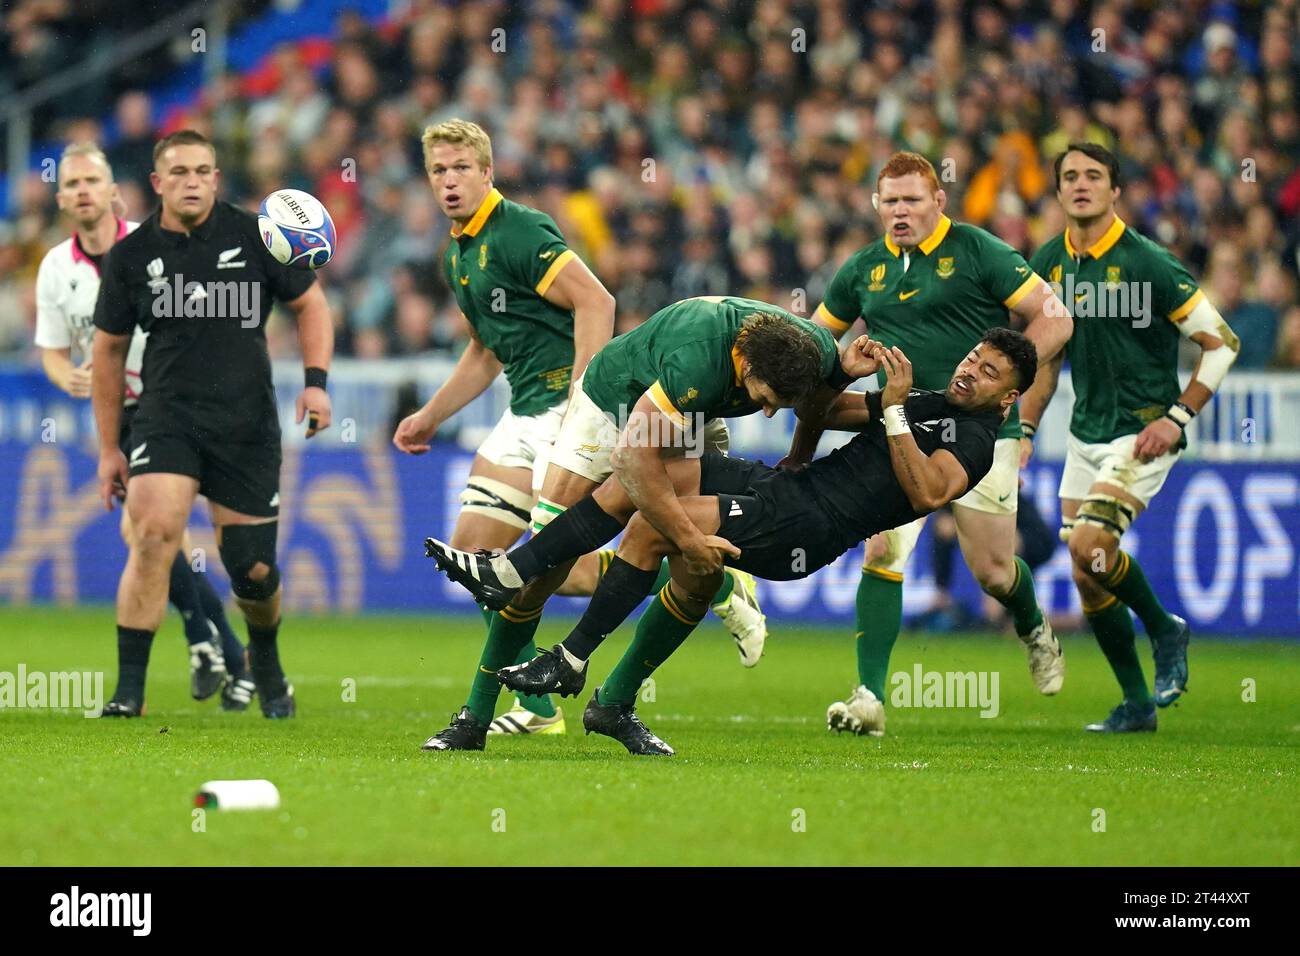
[(79, 255), (735, 363), (490, 202), (202, 231), (929, 243), (1102, 245)]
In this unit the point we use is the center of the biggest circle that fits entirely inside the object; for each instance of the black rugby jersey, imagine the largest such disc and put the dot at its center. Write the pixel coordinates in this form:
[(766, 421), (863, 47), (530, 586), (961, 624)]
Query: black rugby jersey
[(856, 484), (204, 299)]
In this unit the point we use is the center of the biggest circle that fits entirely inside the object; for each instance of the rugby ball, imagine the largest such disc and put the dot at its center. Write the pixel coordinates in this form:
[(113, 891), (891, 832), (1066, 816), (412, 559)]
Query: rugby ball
[(296, 228)]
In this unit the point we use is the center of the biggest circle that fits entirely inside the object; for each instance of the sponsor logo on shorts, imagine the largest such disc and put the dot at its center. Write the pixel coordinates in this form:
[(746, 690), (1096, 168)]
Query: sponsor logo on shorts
[(735, 509), (136, 460), (275, 500)]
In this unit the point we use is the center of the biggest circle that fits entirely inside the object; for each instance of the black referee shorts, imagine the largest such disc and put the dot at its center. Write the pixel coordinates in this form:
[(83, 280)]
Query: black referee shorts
[(771, 516), (242, 476)]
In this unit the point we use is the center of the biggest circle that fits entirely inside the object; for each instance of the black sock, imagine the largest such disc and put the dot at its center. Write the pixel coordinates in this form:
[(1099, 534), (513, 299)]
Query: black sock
[(264, 661), (232, 648), (621, 589), (132, 662), (185, 598), (580, 530)]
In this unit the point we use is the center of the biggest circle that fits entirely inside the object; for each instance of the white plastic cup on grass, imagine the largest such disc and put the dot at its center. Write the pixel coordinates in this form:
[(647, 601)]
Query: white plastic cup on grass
[(238, 795)]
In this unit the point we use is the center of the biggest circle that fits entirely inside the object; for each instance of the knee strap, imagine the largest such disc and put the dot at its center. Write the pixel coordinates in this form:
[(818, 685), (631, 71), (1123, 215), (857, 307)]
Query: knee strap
[(1106, 512), (497, 500), (243, 547)]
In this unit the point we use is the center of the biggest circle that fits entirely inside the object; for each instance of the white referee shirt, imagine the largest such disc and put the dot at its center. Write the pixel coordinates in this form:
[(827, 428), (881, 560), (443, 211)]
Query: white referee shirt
[(67, 284)]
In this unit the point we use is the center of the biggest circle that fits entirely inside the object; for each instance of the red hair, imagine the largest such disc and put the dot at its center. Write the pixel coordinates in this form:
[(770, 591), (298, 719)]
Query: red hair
[(904, 164)]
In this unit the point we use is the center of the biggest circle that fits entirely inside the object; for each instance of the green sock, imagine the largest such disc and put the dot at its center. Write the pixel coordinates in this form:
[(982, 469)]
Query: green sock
[(1114, 629), (1128, 583), (662, 629), (541, 706), (878, 620), (1022, 602), (724, 592), (507, 636)]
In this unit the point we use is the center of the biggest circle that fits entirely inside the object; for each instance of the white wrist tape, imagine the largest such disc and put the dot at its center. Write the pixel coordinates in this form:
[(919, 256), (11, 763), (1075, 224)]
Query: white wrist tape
[(1179, 415), (895, 420)]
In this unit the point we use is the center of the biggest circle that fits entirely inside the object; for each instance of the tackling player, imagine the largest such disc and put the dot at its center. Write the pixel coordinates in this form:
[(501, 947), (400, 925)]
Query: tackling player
[(197, 277), (1126, 430), (933, 287), (66, 286), (918, 450), (680, 373)]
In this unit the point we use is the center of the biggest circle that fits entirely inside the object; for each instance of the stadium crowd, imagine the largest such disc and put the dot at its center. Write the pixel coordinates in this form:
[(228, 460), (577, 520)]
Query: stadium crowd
[(692, 148)]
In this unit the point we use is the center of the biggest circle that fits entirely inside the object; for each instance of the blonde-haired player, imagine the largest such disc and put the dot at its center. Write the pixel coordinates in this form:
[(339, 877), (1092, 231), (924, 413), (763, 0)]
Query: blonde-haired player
[(537, 313)]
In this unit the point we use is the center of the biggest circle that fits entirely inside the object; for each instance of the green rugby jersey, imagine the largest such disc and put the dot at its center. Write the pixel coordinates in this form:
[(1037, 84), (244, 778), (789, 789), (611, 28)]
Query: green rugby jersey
[(685, 356), (1127, 295), (499, 266), (936, 302)]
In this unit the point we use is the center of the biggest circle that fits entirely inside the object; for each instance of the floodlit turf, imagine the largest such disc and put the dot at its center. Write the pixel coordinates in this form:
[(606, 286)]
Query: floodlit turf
[(757, 779)]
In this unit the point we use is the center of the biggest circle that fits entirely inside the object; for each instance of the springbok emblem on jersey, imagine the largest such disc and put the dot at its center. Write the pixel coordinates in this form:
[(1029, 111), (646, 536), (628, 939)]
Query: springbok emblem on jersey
[(877, 279), (1055, 274), (945, 268), (482, 256)]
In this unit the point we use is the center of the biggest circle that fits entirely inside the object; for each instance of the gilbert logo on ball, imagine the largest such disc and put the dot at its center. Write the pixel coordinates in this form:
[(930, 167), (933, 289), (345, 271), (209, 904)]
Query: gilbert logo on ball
[(296, 228)]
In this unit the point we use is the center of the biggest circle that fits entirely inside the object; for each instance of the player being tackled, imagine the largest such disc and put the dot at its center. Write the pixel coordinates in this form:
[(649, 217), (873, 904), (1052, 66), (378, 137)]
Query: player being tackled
[(917, 451)]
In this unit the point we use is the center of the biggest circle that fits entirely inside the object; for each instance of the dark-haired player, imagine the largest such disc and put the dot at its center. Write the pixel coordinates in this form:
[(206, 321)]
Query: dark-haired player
[(650, 403), (918, 451), (198, 279), (1131, 301), (933, 287)]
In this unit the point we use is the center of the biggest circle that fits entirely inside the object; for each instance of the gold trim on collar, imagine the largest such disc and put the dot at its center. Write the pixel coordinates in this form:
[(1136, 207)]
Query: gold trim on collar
[(1102, 245), (927, 244), (484, 210), (931, 242), (736, 359)]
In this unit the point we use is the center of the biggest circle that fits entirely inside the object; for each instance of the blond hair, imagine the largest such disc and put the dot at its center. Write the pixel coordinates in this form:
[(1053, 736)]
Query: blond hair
[(458, 132), (89, 150)]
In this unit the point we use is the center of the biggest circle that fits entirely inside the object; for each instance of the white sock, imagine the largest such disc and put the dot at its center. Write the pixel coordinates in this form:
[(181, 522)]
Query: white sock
[(505, 571), (577, 664)]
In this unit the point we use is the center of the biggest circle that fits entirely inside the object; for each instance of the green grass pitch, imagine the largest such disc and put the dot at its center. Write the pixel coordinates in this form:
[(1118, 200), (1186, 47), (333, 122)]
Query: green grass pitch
[(757, 778)]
